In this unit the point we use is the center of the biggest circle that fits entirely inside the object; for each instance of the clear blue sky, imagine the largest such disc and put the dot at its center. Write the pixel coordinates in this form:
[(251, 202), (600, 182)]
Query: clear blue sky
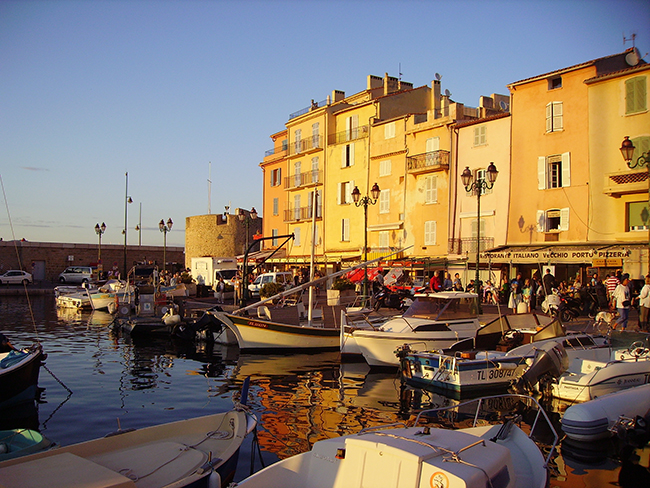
[(92, 89)]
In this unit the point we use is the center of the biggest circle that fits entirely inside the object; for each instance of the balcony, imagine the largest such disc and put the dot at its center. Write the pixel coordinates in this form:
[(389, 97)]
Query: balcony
[(349, 135), (302, 180), (467, 245), (305, 110), (298, 214), (305, 145), (430, 161), (276, 151)]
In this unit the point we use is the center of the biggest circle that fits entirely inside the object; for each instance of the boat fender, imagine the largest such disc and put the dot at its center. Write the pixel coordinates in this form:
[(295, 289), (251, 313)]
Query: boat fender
[(214, 480), (506, 366)]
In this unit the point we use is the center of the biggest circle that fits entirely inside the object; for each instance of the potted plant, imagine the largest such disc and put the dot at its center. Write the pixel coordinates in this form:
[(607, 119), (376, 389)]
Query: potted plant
[(270, 289), (342, 287)]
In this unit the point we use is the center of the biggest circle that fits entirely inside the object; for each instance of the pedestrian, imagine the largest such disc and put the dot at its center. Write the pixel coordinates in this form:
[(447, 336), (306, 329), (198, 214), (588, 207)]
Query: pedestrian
[(458, 285), (611, 283), (435, 283), (621, 298), (526, 293), (5, 344), (534, 292), (447, 285), (221, 288), (548, 282), (644, 306), (515, 297)]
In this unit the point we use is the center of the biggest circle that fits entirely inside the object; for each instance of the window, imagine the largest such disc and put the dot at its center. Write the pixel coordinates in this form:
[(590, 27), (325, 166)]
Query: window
[(315, 141), (432, 146), (296, 236), (314, 170), (554, 171), (274, 234), (638, 216), (347, 158), (431, 189), (555, 82), (276, 206), (345, 230), (296, 207), (553, 220), (384, 202), (430, 233), (383, 239), (636, 95), (385, 167), (285, 144), (480, 135), (276, 176), (297, 177), (297, 142), (389, 130), (344, 194), (554, 120)]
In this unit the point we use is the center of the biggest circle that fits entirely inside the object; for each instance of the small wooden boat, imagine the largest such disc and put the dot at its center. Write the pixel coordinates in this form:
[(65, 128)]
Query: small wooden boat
[(19, 371), (198, 452), (596, 418), (498, 455), (20, 442)]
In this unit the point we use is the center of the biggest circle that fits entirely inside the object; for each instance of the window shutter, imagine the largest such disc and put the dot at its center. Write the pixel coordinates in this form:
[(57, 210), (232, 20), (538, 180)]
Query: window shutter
[(352, 154), (541, 221), (430, 233), (629, 96), (566, 169), (296, 234), (557, 116), (549, 117), (640, 94), (348, 193), (541, 173), (344, 155), (384, 201), (476, 136), (339, 194), (564, 219)]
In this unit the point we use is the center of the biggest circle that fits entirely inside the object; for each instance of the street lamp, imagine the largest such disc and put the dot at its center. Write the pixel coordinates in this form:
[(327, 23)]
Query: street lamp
[(127, 200), (627, 150), (365, 201), (138, 227), (99, 230), (478, 187), (164, 229), (247, 220)]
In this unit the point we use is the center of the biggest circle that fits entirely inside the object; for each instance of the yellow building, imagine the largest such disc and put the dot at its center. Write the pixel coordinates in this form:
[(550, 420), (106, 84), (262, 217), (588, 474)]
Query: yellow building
[(619, 212), (552, 169)]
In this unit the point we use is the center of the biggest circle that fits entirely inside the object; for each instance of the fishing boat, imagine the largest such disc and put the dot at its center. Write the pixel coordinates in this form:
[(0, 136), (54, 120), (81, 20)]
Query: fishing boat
[(596, 419), (433, 321), (496, 368), (482, 454), (196, 452), (19, 370), (21, 442)]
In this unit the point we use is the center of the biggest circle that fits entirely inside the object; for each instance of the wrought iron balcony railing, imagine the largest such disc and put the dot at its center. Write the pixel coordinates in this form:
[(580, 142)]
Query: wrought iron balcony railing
[(349, 135), (297, 214), (304, 145), (462, 245), (429, 161), (308, 178)]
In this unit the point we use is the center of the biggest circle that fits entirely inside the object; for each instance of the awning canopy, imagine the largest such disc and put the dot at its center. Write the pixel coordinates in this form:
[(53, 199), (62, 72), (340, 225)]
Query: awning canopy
[(259, 256)]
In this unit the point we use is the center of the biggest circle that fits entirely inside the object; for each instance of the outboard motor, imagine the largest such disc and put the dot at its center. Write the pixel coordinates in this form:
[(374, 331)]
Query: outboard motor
[(550, 359)]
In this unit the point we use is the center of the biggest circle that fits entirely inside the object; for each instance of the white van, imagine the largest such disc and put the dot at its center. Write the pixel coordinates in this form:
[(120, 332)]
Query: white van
[(283, 277)]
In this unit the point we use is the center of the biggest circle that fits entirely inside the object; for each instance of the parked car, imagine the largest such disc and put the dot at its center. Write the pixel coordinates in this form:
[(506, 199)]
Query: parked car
[(77, 274), (16, 277), (283, 278)]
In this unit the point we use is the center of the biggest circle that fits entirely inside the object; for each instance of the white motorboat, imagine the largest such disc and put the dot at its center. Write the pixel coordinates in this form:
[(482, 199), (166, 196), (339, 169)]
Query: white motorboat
[(606, 371), (178, 454), (481, 455), (596, 418), (108, 296), (433, 321)]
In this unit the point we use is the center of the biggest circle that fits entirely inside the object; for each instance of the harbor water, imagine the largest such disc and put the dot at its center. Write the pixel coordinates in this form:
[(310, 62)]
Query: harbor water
[(97, 380)]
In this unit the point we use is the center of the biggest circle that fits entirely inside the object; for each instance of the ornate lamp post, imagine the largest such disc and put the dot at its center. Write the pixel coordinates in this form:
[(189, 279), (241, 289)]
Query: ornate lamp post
[(127, 200), (99, 230), (138, 227), (365, 201), (478, 186), (164, 228), (247, 220), (627, 150)]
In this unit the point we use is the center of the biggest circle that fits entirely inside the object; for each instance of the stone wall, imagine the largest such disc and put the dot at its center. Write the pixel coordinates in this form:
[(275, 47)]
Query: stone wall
[(50, 258)]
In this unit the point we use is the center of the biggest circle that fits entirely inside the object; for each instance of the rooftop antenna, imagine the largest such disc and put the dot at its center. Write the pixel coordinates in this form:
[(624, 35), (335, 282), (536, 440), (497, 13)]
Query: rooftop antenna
[(209, 187), (399, 70), (629, 39)]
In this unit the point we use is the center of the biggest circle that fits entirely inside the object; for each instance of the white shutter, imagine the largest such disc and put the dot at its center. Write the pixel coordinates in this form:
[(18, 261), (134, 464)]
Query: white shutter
[(541, 221), (344, 155), (430, 233), (339, 194), (431, 189), (384, 201), (549, 117), (541, 173), (557, 116), (296, 235), (564, 219), (348, 192), (345, 230), (566, 169), (352, 154)]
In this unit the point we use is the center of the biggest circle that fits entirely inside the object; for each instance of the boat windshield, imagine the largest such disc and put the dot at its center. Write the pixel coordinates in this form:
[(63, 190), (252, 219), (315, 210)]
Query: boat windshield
[(437, 308)]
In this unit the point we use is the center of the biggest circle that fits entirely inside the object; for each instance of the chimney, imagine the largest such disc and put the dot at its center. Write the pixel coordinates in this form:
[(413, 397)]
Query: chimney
[(435, 88), (337, 95), (374, 82)]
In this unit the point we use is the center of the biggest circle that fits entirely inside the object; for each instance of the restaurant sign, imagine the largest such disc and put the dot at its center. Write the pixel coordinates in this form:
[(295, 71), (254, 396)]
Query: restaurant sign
[(582, 255)]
